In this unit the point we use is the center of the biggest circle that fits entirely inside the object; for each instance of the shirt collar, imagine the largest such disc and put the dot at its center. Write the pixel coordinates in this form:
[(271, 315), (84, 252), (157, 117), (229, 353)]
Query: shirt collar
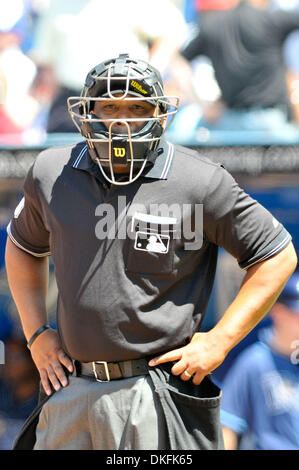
[(81, 160)]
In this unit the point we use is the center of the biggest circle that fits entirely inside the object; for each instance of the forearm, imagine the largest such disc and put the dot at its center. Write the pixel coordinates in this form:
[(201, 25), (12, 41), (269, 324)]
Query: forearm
[(28, 282), (181, 78), (230, 439), (206, 351), (260, 288)]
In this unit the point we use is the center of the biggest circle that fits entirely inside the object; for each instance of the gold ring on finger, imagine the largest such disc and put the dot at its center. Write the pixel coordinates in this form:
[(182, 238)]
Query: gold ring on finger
[(187, 373)]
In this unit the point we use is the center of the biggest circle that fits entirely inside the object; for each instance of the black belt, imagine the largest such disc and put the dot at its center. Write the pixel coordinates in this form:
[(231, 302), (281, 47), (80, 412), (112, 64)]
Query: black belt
[(105, 371)]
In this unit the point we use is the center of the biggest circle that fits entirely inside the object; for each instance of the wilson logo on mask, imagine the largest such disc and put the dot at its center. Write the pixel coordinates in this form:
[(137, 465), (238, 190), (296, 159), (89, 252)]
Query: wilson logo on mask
[(119, 152)]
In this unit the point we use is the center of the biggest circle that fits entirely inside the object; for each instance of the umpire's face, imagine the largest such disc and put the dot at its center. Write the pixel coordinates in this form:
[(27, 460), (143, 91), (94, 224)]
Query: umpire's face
[(123, 109)]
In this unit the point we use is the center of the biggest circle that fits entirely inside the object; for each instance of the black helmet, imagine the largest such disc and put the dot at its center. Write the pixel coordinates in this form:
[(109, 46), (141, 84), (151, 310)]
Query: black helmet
[(121, 79)]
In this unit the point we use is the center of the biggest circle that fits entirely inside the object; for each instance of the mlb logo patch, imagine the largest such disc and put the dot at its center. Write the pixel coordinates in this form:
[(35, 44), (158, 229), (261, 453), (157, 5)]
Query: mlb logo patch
[(152, 242)]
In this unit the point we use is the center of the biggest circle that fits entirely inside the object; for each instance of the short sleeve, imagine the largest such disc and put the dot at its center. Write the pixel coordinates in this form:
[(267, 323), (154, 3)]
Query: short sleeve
[(27, 228), (235, 405), (284, 22), (239, 224), (194, 45)]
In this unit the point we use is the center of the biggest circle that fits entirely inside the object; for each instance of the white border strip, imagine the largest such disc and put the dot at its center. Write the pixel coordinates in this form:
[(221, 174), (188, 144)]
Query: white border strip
[(168, 161), (275, 250), (37, 255), (153, 219), (80, 156)]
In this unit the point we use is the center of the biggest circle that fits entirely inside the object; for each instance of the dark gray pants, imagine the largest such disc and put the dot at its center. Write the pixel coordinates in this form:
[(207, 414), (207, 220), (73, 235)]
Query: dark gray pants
[(154, 412), (120, 414)]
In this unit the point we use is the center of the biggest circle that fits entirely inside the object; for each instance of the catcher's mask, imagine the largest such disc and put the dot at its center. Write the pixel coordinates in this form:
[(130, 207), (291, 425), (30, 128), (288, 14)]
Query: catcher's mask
[(122, 79)]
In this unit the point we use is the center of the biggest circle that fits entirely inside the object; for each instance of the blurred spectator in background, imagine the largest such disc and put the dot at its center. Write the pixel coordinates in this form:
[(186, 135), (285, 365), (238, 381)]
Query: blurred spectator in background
[(8, 127), (261, 391), (291, 56), (73, 35), (19, 381), (17, 71), (245, 46), (6, 322), (19, 385), (190, 12)]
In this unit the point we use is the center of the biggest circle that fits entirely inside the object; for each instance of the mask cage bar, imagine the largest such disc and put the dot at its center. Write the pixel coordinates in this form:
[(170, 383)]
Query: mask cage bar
[(120, 183), (109, 78), (110, 151), (75, 102), (112, 179), (135, 75)]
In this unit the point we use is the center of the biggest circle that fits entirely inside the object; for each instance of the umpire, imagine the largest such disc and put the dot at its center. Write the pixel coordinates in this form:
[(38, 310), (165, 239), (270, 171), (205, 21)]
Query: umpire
[(133, 226)]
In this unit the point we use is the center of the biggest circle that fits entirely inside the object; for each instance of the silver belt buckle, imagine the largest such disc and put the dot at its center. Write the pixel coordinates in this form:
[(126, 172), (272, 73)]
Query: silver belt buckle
[(105, 368)]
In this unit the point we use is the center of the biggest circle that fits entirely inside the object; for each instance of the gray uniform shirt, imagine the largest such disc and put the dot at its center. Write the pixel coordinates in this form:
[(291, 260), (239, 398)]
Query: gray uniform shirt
[(135, 264)]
